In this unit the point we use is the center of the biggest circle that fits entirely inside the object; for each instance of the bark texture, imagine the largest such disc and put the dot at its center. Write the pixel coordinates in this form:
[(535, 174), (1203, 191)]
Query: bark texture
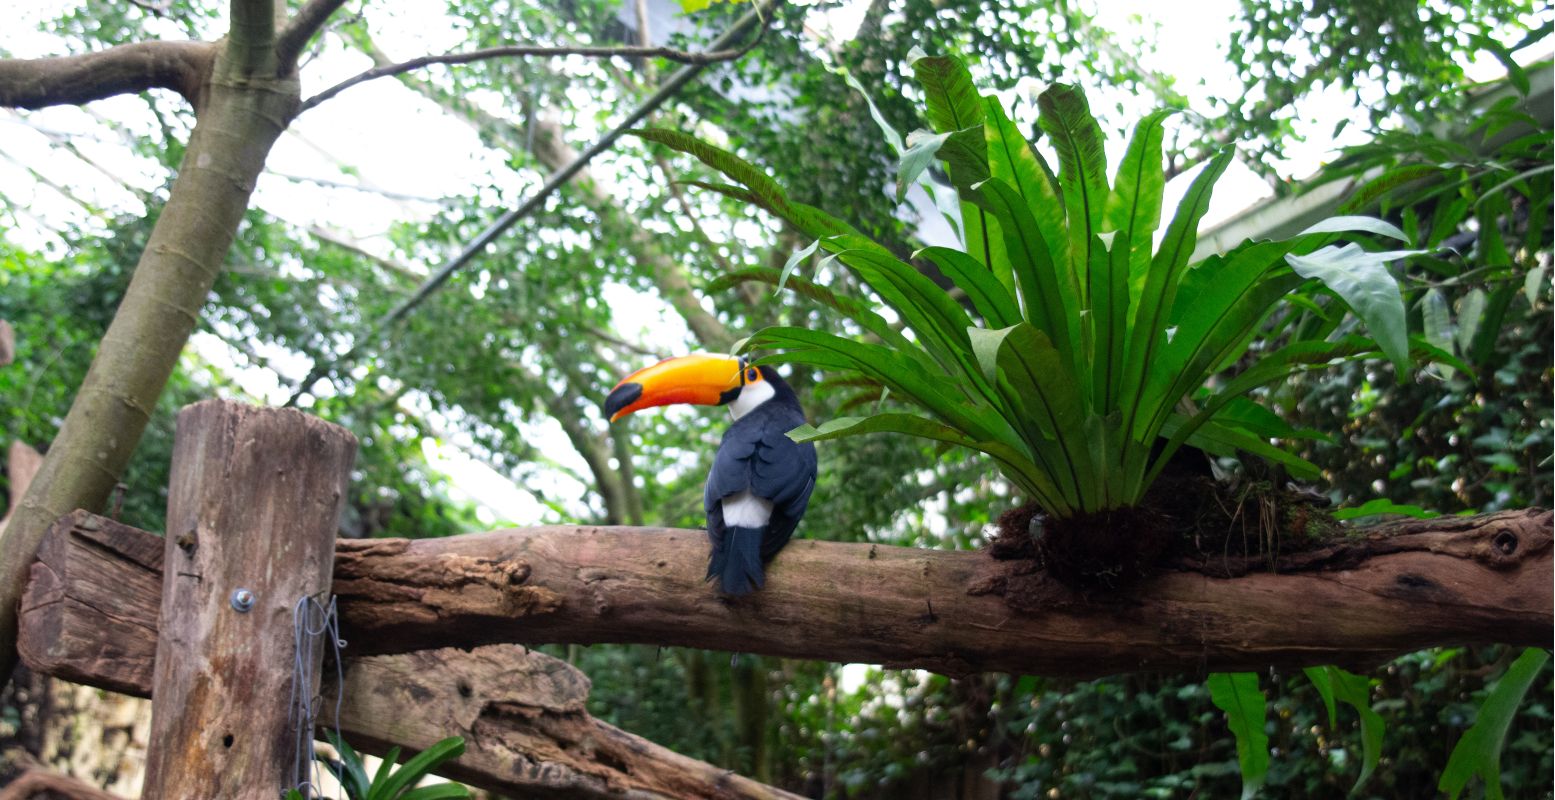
[(240, 115), (73, 80), (7, 343), (253, 505), (91, 617), (1458, 580)]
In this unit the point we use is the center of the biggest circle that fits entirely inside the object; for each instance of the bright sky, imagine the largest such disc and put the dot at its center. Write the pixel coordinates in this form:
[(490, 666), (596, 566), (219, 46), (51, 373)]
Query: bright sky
[(382, 136)]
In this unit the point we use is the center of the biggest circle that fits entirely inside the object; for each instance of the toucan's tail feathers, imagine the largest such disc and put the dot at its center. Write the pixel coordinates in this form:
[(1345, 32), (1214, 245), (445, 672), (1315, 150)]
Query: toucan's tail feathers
[(737, 561)]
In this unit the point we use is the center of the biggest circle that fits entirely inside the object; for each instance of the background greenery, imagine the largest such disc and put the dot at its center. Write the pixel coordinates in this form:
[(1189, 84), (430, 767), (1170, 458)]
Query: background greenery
[(513, 356)]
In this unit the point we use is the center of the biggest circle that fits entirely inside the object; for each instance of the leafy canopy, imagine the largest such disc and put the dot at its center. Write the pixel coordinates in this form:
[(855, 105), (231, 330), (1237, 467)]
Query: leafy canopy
[(1078, 345)]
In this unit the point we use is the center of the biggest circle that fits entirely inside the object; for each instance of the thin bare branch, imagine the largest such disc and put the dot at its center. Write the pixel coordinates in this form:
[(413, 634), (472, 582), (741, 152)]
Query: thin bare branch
[(308, 21), (760, 13), (155, 9), (74, 80), (700, 59)]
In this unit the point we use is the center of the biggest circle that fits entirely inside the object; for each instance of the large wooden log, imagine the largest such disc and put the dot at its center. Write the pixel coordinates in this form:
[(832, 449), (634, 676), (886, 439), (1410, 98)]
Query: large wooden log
[(253, 505), (1457, 580), (90, 616)]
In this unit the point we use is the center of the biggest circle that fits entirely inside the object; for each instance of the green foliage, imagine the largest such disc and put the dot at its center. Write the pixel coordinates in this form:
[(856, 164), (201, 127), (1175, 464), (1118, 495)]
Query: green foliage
[(1478, 753), (391, 783), (1237, 694), (1354, 690), (1084, 352)]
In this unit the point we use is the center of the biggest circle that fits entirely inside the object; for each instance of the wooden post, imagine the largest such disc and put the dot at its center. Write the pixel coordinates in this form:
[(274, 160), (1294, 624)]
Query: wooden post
[(253, 505)]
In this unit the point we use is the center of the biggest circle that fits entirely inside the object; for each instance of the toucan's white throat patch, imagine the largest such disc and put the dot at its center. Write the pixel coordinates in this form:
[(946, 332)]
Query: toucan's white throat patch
[(750, 396)]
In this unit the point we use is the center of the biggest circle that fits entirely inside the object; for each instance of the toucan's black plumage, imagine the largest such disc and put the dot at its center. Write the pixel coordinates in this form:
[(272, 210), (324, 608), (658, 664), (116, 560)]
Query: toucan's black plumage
[(761, 480), (757, 456)]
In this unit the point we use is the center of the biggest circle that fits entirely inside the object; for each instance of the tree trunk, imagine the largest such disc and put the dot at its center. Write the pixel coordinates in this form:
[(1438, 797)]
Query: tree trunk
[(241, 112), (1377, 594)]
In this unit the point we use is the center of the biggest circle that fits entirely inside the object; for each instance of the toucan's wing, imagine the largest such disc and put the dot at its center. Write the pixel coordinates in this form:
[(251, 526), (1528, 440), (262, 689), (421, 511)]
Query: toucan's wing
[(782, 471), (731, 471)]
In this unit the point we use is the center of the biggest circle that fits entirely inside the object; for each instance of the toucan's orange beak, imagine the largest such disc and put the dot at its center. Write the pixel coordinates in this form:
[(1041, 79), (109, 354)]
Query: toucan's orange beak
[(702, 380)]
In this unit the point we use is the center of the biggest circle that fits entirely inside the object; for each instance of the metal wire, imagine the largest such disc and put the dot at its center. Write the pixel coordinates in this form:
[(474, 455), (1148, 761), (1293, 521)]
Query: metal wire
[(314, 627)]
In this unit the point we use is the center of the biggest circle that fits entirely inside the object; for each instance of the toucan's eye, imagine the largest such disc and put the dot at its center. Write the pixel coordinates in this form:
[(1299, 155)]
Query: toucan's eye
[(752, 375)]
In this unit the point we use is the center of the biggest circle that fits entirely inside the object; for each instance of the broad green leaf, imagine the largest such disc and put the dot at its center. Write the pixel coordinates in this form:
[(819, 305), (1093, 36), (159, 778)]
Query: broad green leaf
[(1134, 205), (738, 169), (1382, 505), (938, 393), (1082, 171), (995, 304), (853, 309), (1533, 284), (922, 148), (439, 791), (952, 101), (351, 774), (1479, 751), (1039, 385), (799, 256), (1471, 310), (954, 106), (1258, 420), (1436, 319), (1012, 159), (1046, 289), (1362, 280), (1109, 318), (1324, 683), (881, 423), (386, 766), (1148, 327), (1135, 201), (1230, 295), (1351, 224), (1273, 367), (1355, 691), (1222, 440), (418, 767), (1237, 694), (1387, 182), (891, 136)]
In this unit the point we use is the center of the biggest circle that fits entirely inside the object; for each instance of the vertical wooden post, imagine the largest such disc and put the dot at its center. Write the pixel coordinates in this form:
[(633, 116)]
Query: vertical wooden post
[(253, 504)]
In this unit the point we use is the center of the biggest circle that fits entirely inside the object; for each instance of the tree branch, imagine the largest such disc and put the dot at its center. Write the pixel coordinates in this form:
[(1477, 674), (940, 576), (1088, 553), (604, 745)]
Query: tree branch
[(1378, 594), (703, 58), (251, 38), (477, 246), (74, 80), (301, 28)]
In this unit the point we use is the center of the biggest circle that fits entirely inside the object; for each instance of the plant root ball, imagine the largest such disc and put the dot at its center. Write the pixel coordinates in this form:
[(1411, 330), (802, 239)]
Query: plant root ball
[(1016, 539), (1106, 549)]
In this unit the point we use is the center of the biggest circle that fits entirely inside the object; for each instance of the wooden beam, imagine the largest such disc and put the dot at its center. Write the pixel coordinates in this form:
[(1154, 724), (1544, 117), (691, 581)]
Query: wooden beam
[(90, 616), (1380, 593), (253, 505)]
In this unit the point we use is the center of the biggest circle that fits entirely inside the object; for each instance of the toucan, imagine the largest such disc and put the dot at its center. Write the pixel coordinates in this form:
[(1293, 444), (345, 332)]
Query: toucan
[(760, 483)]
